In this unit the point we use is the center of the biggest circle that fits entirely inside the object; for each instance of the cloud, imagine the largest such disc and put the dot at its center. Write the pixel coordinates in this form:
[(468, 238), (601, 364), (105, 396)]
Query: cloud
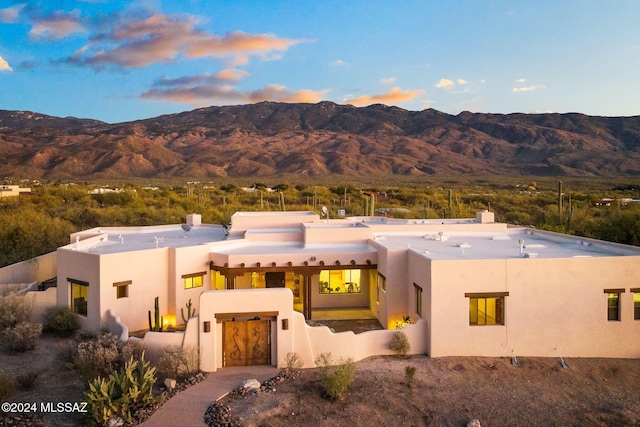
[(208, 88), (462, 82), (520, 81), (56, 26), (160, 38), (527, 88), (4, 65), (10, 14), (337, 63), (394, 95), (388, 80), (445, 84)]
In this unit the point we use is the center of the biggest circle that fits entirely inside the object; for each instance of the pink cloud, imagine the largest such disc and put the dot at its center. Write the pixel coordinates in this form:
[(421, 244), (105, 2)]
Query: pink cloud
[(163, 38), (393, 96), (56, 26)]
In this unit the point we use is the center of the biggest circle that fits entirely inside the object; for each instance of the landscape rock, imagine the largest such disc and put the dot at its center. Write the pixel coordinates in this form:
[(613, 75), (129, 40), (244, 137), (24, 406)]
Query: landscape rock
[(474, 423), (251, 384), (169, 383)]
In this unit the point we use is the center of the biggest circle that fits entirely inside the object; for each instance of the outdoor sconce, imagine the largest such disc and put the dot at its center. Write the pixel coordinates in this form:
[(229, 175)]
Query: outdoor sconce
[(207, 326), (313, 258), (285, 324)]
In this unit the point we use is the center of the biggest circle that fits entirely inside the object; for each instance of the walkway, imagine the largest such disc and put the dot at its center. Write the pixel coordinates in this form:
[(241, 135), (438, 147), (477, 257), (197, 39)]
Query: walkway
[(187, 408)]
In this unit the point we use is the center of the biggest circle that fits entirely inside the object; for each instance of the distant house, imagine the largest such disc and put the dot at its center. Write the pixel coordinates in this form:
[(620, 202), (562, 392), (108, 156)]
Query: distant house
[(475, 287), (10, 191)]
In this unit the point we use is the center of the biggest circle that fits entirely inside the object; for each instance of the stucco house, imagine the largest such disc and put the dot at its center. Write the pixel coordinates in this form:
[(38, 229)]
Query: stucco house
[(472, 287)]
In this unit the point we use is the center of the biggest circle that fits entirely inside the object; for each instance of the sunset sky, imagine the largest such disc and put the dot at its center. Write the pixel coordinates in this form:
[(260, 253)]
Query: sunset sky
[(119, 61)]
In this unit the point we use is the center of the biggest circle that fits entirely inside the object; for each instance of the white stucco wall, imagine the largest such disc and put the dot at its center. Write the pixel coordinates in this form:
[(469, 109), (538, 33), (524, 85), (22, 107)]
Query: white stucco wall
[(36, 269), (555, 306)]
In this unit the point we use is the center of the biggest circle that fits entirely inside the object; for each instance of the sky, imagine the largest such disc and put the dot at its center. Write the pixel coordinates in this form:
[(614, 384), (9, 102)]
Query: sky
[(119, 61)]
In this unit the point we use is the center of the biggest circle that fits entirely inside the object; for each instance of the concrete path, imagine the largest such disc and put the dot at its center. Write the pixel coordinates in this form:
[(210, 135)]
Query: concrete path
[(187, 408)]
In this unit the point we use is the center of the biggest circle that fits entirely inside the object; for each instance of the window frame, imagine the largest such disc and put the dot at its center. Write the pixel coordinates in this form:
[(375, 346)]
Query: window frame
[(73, 285), (418, 306), (122, 289), (190, 278), (614, 312), (636, 304), (501, 302)]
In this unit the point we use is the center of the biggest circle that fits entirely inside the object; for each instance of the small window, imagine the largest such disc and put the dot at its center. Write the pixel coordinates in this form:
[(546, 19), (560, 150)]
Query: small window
[(382, 281), (418, 299), (613, 304), (122, 289), (194, 280), (636, 303), (79, 296), (486, 309)]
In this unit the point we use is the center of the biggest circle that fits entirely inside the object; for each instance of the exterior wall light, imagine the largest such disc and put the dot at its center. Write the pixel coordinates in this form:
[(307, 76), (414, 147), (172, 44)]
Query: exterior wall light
[(285, 324), (207, 326)]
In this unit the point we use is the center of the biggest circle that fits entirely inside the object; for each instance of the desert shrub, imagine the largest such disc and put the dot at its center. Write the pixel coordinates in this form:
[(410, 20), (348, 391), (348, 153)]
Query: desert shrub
[(60, 321), (21, 337), (409, 375), (14, 309), (335, 378), (124, 393), (400, 343), (293, 364), (101, 355), (27, 380), (176, 362), (6, 387)]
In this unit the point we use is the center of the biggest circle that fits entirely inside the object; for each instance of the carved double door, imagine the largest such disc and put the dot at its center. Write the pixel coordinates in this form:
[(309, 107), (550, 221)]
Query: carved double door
[(246, 342)]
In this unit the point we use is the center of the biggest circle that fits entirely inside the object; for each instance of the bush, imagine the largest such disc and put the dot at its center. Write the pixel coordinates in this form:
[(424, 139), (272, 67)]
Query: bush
[(123, 394), (21, 337), (60, 321), (100, 355), (335, 378), (293, 365), (14, 309), (6, 387), (409, 375), (179, 363), (400, 343)]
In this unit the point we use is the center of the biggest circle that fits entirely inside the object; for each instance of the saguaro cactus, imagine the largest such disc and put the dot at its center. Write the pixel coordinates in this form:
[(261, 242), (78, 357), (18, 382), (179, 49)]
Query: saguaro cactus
[(159, 320), (190, 312)]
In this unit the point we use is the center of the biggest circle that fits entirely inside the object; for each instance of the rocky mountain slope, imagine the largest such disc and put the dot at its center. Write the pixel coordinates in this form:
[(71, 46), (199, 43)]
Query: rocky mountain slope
[(268, 139)]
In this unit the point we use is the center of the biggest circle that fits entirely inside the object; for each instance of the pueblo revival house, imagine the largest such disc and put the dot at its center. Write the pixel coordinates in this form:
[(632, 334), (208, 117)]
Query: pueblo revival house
[(471, 287)]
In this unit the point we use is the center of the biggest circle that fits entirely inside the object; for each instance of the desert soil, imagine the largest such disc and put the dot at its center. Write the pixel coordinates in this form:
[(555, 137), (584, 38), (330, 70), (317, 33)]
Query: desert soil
[(446, 392), (454, 390)]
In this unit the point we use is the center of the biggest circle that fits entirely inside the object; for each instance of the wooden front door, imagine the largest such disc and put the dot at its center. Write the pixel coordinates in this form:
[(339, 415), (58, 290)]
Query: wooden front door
[(247, 342)]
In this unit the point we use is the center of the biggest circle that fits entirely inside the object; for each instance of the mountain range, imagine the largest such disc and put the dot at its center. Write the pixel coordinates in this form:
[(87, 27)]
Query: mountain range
[(268, 139)]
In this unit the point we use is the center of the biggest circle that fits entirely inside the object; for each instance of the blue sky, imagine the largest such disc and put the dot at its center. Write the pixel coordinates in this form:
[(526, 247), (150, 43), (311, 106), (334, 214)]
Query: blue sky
[(126, 60)]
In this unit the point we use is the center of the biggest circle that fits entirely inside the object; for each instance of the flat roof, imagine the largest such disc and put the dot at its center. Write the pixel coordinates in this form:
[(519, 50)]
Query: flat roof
[(486, 245)]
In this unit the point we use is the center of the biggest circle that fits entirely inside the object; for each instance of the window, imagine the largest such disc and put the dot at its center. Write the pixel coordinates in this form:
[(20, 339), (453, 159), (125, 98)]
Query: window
[(382, 281), (636, 303), (340, 282), (613, 304), (218, 281), (418, 299), (122, 289), (486, 308), (194, 280), (79, 291)]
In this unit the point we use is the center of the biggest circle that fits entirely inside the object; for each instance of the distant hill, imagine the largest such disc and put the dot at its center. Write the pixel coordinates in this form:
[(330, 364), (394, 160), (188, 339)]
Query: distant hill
[(269, 138)]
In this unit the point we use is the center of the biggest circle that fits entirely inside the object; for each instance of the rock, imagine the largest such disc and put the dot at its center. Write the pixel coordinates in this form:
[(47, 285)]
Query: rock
[(251, 384), (115, 422), (170, 383), (474, 423)]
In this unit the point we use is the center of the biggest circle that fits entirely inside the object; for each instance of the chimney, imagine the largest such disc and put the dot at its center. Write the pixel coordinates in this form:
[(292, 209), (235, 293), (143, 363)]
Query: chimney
[(194, 219), (485, 217)]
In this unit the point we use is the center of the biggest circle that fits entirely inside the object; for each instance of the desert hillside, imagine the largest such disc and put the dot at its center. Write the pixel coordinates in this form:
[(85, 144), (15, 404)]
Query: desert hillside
[(267, 139)]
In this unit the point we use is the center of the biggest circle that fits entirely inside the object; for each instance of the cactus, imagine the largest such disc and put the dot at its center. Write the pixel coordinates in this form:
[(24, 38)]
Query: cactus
[(190, 312), (159, 320)]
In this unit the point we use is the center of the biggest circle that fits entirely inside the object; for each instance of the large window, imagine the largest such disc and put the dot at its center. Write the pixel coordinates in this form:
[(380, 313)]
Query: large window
[(486, 308), (193, 280), (79, 291), (340, 282), (218, 281), (613, 304), (636, 303)]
